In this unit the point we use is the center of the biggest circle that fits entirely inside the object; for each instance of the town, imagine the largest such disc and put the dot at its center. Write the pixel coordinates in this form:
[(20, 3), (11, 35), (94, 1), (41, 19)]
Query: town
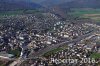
[(49, 32), (31, 39)]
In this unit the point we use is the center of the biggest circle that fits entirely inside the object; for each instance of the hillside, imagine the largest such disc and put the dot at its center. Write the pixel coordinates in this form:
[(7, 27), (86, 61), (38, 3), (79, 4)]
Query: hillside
[(6, 5), (51, 3), (81, 4)]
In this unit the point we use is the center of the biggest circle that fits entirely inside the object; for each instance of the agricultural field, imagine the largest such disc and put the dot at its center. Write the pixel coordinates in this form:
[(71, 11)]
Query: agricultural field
[(17, 12), (86, 13)]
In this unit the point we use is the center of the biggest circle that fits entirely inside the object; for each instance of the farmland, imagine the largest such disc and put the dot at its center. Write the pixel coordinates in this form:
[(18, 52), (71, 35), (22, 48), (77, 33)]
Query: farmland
[(17, 12), (93, 14)]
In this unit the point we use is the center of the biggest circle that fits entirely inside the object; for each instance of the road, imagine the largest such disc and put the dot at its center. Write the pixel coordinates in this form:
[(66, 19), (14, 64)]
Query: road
[(41, 52)]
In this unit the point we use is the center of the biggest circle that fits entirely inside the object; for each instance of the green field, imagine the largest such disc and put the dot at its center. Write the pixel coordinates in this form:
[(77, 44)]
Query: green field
[(86, 13), (95, 55), (18, 12)]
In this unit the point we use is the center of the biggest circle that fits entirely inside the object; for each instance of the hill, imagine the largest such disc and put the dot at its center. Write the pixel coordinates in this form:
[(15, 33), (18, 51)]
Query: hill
[(6, 5), (81, 4), (51, 3)]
